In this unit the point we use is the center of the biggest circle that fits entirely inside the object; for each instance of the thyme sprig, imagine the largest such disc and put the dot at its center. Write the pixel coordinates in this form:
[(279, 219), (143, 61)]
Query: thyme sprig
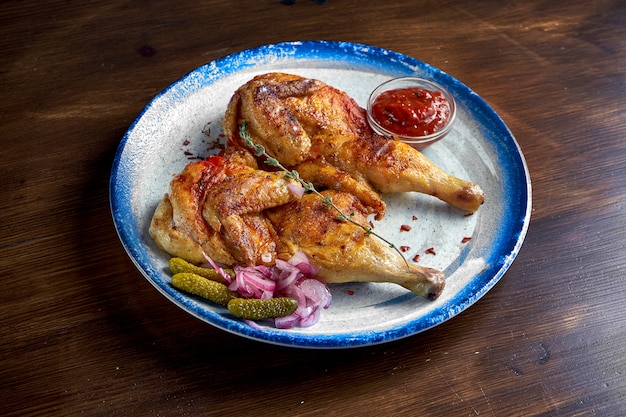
[(327, 201)]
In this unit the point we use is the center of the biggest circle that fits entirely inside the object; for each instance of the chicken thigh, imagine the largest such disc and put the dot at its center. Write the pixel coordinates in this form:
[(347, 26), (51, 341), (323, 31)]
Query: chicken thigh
[(216, 206)]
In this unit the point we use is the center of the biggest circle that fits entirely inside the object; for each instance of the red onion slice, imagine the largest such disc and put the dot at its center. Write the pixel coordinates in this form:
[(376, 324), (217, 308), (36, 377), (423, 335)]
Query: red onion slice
[(253, 282), (295, 279), (296, 190), (317, 293), (286, 322), (285, 274), (217, 268), (311, 319)]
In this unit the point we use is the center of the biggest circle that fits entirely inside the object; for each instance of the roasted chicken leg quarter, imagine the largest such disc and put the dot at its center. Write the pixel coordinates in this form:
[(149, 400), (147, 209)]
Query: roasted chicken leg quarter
[(237, 214), (305, 121)]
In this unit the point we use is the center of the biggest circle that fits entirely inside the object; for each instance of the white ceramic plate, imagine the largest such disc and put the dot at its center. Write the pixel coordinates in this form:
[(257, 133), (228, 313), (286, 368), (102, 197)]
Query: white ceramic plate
[(184, 119)]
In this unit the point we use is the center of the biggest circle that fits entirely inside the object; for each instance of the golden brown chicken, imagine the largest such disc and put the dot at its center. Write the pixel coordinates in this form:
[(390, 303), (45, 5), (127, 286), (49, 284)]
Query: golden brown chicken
[(343, 251), (216, 206), (241, 215), (228, 208), (321, 132)]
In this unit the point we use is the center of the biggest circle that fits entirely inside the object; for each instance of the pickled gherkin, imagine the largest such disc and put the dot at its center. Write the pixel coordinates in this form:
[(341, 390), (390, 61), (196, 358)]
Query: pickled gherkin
[(178, 265), (203, 287), (258, 309)]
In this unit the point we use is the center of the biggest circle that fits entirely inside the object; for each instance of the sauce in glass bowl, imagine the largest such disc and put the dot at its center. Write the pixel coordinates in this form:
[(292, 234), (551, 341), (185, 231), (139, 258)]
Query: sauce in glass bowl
[(413, 110)]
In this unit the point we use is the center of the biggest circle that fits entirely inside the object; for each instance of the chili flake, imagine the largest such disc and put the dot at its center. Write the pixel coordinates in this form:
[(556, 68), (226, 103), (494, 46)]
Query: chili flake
[(405, 248), (431, 251), (416, 258), (405, 228), (466, 239)]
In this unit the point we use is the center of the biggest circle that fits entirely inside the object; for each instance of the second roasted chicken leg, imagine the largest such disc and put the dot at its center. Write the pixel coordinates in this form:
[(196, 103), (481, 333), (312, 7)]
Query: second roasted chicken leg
[(237, 214)]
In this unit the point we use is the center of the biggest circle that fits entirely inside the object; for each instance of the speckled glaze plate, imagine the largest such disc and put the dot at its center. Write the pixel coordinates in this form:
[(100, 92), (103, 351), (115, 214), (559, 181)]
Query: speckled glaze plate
[(185, 120)]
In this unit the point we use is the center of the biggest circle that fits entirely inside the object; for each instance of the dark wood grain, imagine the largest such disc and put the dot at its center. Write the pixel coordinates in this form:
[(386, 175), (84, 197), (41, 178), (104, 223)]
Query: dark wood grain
[(82, 333)]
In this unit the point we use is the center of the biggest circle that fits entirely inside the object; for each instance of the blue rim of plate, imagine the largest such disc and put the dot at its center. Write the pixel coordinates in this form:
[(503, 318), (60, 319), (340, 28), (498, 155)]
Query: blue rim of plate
[(514, 174)]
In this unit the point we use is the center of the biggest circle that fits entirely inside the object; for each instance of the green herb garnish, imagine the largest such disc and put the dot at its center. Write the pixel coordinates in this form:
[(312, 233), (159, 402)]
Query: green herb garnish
[(327, 201)]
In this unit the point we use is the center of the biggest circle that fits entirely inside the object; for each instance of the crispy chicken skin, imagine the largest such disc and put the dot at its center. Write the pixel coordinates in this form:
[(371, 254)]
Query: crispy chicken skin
[(295, 118), (343, 251), (237, 214), (216, 206), (395, 167), (305, 121)]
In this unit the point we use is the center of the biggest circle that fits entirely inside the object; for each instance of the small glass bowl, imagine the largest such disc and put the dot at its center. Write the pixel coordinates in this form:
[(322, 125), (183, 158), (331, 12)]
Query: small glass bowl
[(417, 142)]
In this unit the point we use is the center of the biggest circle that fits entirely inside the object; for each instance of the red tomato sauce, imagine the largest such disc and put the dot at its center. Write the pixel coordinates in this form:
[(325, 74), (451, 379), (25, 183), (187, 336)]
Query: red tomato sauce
[(411, 111)]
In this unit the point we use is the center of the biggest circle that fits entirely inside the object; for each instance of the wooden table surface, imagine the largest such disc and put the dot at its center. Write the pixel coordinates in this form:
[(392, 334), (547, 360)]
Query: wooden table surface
[(83, 333)]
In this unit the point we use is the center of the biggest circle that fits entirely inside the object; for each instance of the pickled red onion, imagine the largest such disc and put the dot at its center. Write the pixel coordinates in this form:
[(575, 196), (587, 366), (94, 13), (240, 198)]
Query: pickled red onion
[(301, 261), (216, 267), (253, 282), (296, 190), (294, 278)]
